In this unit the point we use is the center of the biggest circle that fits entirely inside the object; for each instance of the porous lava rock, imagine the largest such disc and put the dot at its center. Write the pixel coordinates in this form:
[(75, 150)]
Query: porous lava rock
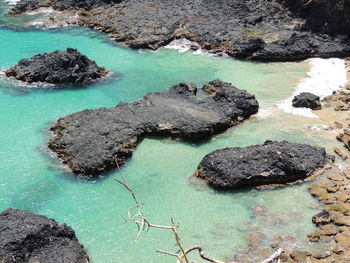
[(253, 29), (273, 162), (91, 142), (307, 100), (59, 67), (26, 237)]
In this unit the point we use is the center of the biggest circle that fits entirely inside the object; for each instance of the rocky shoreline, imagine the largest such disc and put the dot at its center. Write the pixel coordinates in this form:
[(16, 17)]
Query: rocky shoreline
[(331, 189), (250, 29)]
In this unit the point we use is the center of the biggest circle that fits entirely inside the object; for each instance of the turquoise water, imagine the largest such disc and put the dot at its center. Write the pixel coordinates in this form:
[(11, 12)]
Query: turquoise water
[(159, 170)]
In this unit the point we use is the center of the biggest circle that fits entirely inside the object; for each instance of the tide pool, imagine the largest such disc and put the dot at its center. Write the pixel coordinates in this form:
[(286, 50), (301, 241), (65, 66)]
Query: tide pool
[(159, 170)]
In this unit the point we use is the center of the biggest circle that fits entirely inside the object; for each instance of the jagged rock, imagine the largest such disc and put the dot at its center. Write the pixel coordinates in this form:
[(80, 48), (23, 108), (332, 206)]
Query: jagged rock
[(59, 67), (268, 163), (29, 5), (27, 238), (300, 256), (340, 153), (307, 100), (321, 218), (90, 142), (255, 239), (258, 30), (343, 240)]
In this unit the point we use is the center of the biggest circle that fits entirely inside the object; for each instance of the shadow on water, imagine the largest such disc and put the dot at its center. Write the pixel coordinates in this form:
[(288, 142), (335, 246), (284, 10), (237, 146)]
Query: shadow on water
[(35, 196)]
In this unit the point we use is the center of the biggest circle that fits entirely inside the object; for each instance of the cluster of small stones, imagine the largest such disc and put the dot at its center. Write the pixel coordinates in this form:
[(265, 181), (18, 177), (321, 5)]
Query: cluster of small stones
[(333, 226), (340, 102), (333, 223), (260, 246)]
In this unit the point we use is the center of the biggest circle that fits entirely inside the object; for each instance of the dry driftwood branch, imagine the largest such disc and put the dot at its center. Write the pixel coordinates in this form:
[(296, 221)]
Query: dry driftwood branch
[(143, 223), (274, 256)]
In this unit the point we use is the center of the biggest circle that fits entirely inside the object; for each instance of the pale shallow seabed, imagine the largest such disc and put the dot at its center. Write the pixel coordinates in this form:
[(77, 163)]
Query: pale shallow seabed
[(159, 169)]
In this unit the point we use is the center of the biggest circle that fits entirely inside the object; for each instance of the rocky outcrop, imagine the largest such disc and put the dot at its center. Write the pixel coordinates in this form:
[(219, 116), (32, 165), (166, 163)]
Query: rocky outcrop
[(331, 16), (27, 237), (269, 163), (59, 67), (307, 100), (253, 29), (61, 5), (90, 142)]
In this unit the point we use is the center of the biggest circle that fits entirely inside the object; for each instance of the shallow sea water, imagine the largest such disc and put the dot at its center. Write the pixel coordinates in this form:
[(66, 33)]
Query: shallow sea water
[(159, 169)]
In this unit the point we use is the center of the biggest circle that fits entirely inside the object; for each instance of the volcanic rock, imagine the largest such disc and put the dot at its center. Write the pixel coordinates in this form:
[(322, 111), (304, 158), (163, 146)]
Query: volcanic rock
[(269, 163), (59, 67), (90, 142), (307, 100), (27, 237), (253, 29)]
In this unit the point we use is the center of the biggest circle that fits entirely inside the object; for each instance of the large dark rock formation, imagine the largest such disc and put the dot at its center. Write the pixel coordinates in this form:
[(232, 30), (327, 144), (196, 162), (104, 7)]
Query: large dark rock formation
[(269, 163), (254, 29), (59, 67), (331, 16), (307, 100), (91, 141), (26, 237)]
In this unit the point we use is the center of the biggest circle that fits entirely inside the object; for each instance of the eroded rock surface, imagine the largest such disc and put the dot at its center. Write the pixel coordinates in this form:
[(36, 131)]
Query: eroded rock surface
[(269, 163), (254, 29), (26, 237), (91, 141), (59, 67), (307, 100)]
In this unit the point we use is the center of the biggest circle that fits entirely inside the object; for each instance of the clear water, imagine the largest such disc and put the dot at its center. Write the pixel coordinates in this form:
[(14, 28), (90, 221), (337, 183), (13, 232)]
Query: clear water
[(30, 179)]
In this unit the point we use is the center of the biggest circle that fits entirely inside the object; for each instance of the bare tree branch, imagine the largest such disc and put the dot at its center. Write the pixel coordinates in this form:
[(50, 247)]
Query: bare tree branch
[(142, 224), (274, 256)]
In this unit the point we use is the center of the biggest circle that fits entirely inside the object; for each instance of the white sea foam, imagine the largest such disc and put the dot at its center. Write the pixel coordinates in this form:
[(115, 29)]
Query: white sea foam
[(12, 2), (182, 45), (324, 77), (264, 113), (43, 10), (52, 19)]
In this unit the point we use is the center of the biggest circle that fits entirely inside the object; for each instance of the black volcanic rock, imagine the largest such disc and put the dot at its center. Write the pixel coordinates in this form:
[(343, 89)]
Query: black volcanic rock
[(269, 163), (253, 29), (322, 218), (26, 237), (307, 100), (91, 141), (30, 5), (59, 67)]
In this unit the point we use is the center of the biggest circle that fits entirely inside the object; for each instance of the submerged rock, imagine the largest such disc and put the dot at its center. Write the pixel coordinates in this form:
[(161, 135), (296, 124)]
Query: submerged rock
[(27, 237), (59, 67), (259, 30), (90, 142), (269, 163), (307, 100)]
